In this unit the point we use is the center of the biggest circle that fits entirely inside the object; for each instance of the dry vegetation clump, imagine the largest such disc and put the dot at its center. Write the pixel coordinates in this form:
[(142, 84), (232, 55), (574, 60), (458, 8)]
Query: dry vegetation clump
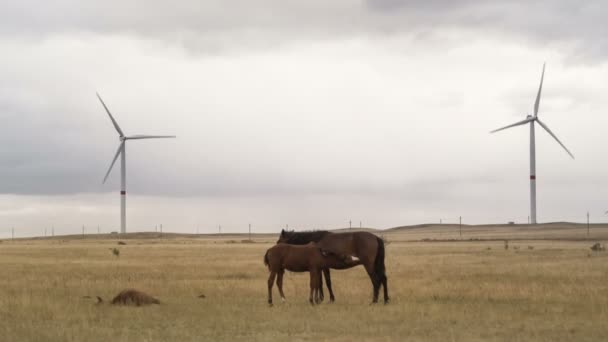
[(598, 247), (131, 297), (122, 243)]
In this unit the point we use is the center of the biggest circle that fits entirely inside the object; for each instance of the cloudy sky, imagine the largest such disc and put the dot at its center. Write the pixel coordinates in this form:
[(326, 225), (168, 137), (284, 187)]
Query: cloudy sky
[(308, 113)]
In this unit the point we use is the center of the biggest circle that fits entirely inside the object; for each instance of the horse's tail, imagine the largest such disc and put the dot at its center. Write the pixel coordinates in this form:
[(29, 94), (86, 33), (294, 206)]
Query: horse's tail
[(266, 260), (381, 269), (379, 263)]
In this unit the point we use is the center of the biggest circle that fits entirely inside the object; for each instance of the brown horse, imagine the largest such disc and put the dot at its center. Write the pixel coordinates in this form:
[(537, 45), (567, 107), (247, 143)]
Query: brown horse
[(366, 246), (306, 258)]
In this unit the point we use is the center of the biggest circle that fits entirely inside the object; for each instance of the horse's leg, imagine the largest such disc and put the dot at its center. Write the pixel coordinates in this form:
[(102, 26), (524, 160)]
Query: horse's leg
[(385, 286), (280, 284), (270, 283), (328, 283), (369, 267)]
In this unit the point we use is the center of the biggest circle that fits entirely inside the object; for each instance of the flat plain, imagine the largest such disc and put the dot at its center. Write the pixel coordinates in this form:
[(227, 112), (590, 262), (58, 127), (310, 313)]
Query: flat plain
[(547, 286)]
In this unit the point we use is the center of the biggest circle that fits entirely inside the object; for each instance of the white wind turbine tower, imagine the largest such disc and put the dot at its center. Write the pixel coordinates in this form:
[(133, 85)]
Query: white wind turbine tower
[(123, 164), (532, 119)]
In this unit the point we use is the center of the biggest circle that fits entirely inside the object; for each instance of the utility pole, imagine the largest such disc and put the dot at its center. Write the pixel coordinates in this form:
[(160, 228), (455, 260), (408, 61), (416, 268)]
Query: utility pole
[(360, 225), (350, 224), (460, 226), (440, 221), (250, 232), (161, 230), (83, 231)]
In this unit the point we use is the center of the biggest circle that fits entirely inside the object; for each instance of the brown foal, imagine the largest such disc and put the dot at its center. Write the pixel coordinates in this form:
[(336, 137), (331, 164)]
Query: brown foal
[(302, 258)]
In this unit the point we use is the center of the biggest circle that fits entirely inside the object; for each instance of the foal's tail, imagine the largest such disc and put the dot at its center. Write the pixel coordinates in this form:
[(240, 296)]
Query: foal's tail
[(266, 260)]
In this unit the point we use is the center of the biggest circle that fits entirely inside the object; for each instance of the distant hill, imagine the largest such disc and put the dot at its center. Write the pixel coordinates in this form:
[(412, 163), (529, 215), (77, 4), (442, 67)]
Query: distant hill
[(419, 232)]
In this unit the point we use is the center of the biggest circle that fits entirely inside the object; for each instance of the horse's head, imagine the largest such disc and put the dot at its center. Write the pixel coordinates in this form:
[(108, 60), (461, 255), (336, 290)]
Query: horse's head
[(346, 259), (284, 237), (325, 252)]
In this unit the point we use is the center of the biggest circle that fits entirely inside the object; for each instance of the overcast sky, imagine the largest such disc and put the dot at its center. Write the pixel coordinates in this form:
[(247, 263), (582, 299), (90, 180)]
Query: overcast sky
[(307, 113)]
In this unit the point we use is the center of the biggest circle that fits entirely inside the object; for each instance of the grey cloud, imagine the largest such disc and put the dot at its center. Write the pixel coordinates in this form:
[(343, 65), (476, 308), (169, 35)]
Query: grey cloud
[(214, 25), (387, 104), (574, 25)]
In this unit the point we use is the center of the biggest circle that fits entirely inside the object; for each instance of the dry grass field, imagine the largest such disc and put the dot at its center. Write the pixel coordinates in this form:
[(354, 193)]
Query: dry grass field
[(538, 289)]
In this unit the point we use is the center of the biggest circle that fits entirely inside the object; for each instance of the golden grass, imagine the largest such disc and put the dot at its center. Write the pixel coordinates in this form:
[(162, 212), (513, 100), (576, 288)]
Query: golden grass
[(458, 291)]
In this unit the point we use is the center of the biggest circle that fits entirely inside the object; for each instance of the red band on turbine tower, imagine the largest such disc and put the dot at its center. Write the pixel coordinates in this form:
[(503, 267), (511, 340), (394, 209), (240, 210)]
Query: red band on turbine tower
[(122, 192), (533, 177)]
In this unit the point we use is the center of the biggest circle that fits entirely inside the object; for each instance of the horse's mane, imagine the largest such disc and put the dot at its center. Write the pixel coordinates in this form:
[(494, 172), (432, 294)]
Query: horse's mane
[(302, 238)]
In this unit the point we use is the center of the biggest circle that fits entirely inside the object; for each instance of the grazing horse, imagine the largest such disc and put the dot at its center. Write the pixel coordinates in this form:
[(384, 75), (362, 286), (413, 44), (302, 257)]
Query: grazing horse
[(366, 246), (303, 258)]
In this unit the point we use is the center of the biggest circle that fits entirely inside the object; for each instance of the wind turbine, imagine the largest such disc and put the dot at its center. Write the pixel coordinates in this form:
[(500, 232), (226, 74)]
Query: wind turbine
[(123, 164), (531, 119)]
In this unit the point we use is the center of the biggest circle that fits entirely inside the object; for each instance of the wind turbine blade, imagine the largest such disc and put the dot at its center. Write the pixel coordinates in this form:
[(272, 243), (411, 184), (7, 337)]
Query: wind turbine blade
[(111, 117), (554, 137), (513, 125), (540, 88), (139, 136), (113, 161)]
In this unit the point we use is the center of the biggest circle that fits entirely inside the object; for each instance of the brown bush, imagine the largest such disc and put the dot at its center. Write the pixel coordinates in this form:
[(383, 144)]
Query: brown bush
[(131, 297), (597, 247)]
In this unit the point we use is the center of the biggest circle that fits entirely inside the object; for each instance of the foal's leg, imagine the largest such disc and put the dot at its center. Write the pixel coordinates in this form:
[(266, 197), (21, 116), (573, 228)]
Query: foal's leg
[(321, 294), (280, 284), (270, 283), (328, 283), (313, 288), (319, 287)]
